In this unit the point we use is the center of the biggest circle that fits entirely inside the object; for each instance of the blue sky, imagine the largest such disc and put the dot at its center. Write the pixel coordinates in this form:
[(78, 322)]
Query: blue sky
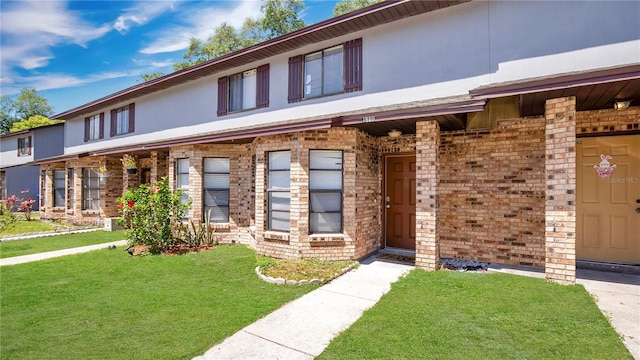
[(74, 52)]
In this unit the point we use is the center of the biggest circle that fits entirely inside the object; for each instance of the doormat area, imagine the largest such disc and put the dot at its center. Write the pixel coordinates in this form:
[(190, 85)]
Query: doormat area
[(400, 258)]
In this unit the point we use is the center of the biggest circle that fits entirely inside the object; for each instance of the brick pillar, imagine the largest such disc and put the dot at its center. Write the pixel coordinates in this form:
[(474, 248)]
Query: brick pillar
[(560, 208), (428, 163), (158, 166)]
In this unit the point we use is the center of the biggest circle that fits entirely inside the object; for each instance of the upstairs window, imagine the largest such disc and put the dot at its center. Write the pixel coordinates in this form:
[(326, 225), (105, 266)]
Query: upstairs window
[(323, 72), (244, 91), (216, 189), (330, 71), (123, 120), (94, 127), (278, 190), (325, 191), (24, 146), (59, 188)]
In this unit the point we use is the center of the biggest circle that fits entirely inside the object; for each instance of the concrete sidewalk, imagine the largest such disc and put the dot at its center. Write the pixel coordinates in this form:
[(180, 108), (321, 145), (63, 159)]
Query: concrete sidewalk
[(303, 328), (51, 254)]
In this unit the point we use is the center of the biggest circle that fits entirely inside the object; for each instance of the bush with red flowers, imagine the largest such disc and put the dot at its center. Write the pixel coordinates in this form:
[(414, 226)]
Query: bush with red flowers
[(151, 213)]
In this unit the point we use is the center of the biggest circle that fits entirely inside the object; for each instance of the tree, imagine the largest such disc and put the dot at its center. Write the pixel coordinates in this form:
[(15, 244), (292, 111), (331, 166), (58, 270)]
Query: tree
[(347, 6), (224, 40), (152, 76), (279, 17), (32, 122), (26, 105)]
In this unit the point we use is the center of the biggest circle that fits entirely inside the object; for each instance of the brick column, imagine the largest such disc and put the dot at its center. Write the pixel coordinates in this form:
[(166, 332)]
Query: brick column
[(560, 208), (428, 163)]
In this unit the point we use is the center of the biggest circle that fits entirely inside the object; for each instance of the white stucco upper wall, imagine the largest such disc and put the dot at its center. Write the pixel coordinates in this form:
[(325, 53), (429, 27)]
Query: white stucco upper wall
[(439, 54), (9, 150)]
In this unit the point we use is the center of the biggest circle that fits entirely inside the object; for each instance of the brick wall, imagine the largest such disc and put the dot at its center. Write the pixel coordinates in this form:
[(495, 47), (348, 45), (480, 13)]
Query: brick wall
[(492, 193), (607, 121), (240, 184)]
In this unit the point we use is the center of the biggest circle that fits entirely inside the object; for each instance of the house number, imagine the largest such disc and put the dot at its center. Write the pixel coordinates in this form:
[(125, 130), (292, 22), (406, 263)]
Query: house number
[(368, 119)]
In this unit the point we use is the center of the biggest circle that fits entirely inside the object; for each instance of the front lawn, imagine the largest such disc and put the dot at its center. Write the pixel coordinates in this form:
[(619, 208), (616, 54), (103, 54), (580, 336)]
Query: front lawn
[(20, 227), (57, 242), (453, 315), (108, 305)]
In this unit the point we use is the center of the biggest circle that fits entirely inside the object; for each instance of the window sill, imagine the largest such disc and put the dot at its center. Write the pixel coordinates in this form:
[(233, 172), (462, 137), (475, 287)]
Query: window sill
[(58, 209), (90, 212), (327, 240), (276, 236)]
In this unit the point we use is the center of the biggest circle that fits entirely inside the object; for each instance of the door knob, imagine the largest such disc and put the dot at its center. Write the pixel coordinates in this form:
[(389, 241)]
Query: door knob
[(637, 201), (638, 210)]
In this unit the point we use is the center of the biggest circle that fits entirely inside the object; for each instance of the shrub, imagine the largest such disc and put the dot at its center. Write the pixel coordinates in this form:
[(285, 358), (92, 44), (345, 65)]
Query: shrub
[(151, 213), (6, 216)]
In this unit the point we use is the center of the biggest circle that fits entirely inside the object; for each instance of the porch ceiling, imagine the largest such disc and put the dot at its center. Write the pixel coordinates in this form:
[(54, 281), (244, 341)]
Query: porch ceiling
[(588, 97)]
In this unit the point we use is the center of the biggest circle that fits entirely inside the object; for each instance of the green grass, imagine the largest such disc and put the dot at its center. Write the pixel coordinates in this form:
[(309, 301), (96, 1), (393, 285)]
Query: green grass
[(57, 242), (302, 269), (24, 227), (107, 304), (452, 315)]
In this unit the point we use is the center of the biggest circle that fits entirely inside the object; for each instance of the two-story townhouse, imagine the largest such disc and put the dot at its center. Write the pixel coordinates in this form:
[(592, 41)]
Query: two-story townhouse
[(18, 151), (449, 129)]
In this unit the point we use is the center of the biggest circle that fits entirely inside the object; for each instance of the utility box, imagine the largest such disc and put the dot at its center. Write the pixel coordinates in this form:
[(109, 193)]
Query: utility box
[(111, 224)]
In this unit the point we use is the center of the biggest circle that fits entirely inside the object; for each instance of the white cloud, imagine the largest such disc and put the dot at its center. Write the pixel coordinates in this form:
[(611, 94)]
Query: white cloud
[(200, 24), (57, 81), (31, 28), (141, 13)]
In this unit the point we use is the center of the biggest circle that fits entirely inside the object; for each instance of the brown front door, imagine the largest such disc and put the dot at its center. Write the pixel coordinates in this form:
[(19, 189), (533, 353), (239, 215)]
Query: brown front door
[(608, 199), (400, 202)]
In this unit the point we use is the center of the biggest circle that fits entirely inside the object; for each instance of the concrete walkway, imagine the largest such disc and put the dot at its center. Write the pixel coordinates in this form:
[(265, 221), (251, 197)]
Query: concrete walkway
[(52, 254), (303, 328)]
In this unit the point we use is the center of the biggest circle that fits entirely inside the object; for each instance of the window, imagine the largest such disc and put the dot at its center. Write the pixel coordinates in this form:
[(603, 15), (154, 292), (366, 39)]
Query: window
[(244, 91), (59, 188), (216, 189), (123, 120), (94, 127), (325, 191), (323, 72), (70, 188), (24, 146), (182, 179), (330, 71), (90, 189), (43, 187), (278, 190)]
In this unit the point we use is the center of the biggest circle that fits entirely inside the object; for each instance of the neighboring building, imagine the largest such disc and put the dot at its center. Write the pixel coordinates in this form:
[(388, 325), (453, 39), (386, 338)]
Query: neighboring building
[(293, 143), (18, 176)]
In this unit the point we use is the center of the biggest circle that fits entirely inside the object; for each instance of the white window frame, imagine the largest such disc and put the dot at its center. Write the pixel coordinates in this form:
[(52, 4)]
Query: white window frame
[(319, 188), (317, 84), (122, 121), (243, 90), (94, 127), (182, 168), (24, 146), (273, 190), (59, 188), (90, 189), (219, 170)]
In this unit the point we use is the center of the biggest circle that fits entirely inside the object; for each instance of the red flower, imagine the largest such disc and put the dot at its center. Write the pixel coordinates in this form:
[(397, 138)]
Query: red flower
[(156, 188), (131, 203), (120, 206)]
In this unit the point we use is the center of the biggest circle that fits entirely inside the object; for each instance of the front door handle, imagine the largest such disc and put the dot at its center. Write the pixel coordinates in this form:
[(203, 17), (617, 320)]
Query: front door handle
[(638, 210)]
